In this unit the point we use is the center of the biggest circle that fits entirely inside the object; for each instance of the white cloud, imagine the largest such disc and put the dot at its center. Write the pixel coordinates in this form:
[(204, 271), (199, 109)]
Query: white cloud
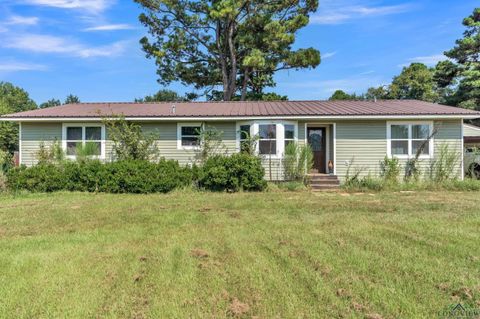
[(337, 14), (18, 20), (14, 66), (52, 44), (328, 55), (94, 6), (429, 60), (110, 27)]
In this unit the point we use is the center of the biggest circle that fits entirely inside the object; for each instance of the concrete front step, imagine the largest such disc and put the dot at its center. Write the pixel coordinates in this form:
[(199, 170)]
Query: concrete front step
[(325, 182), (320, 182)]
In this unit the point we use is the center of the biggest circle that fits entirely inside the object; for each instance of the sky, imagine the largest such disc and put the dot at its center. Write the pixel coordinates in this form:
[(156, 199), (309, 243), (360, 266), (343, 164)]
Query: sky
[(90, 48)]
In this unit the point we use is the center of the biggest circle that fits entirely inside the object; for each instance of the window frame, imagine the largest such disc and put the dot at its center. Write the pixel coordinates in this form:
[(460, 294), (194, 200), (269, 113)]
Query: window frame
[(65, 126), (280, 137), (410, 140), (179, 135)]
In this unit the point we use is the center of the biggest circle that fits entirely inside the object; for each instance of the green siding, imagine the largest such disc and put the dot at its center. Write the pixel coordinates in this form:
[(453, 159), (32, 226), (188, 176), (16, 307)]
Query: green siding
[(32, 135), (364, 145), (364, 142)]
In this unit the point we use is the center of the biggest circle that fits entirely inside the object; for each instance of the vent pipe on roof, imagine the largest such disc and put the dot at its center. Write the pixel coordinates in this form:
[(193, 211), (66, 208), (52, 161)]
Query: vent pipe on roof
[(374, 99), (173, 109)]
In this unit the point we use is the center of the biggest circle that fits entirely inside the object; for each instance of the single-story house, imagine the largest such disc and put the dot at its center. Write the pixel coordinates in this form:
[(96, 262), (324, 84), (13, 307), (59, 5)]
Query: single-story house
[(347, 134)]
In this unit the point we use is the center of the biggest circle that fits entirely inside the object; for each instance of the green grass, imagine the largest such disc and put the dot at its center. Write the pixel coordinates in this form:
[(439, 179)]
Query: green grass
[(275, 254)]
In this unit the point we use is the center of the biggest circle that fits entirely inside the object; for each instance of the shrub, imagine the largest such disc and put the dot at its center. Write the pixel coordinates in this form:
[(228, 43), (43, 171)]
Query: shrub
[(39, 178), (443, 167), (129, 141), (6, 161), (390, 169), (94, 176), (211, 143), (298, 161), (53, 154), (232, 173)]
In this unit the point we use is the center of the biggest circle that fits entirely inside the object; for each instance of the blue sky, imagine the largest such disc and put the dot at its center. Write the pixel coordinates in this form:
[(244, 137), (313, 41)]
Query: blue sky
[(90, 48)]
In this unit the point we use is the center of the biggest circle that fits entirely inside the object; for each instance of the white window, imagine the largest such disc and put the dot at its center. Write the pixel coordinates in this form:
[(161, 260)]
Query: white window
[(267, 143), (271, 136), (189, 135), (91, 136), (289, 134), (405, 139)]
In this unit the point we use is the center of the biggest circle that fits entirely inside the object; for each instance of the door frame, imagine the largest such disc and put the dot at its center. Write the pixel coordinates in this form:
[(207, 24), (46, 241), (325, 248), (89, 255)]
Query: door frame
[(327, 144)]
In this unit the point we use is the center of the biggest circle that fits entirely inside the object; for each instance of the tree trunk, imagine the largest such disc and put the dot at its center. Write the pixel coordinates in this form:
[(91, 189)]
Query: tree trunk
[(232, 78), (223, 62), (246, 78)]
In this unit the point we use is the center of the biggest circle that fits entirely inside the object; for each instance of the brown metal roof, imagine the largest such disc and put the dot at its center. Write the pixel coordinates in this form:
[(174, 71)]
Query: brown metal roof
[(247, 109)]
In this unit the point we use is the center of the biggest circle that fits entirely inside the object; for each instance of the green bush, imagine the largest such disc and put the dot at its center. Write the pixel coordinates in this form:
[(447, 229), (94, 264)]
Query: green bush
[(390, 169), (232, 173), (94, 176)]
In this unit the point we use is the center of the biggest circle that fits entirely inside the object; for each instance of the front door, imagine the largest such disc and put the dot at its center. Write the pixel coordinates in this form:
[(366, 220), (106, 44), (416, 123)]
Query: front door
[(316, 139)]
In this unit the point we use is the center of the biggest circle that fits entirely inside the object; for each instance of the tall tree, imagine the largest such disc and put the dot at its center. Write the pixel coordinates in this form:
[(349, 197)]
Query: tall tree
[(50, 103), (164, 96), (414, 82), (236, 45), (466, 54), (12, 99), (381, 93), (72, 99), (342, 95)]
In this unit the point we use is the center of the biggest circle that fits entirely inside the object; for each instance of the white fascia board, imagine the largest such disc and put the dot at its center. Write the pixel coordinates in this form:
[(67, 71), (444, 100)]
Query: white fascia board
[(243, 118)]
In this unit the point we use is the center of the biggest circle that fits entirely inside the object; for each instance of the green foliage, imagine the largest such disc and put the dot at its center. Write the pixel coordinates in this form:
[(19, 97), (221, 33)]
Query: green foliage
[(357, 183), (50, 103), (390, 169), (414, 82), (298, 161), (85, 152), (129, 141), (232, 173), (165, 96), (12, 99), (94, 176), (291, 186), (238, 45), (467, 69), (380, 93), (352, 176), (341, 95), (248, 144), (53, 154), (211, 143), (72, 99), (443, 167), (6, 161)]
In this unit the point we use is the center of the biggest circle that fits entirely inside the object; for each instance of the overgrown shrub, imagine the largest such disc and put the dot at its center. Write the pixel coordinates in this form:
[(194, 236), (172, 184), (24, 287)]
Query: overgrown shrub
[(94, 176), (232, 173), (6, 161), (298, 161), (390, 169), (52, 154), (211, 143), (130, 142), (444, 166)]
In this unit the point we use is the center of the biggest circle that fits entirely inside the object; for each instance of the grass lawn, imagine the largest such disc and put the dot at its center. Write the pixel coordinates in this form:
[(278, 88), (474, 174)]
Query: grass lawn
[(276, 254)]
